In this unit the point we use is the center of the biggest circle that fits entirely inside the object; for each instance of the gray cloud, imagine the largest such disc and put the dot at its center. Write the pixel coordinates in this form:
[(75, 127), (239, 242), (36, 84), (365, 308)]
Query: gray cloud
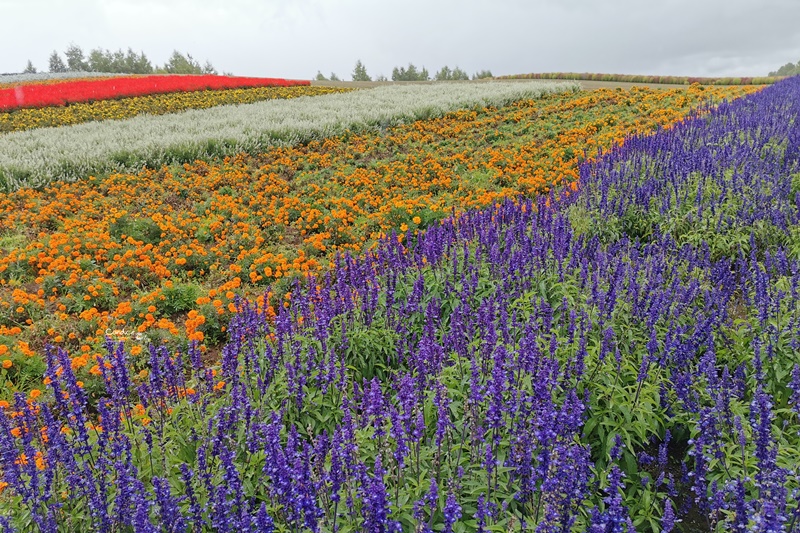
[(295, 39)]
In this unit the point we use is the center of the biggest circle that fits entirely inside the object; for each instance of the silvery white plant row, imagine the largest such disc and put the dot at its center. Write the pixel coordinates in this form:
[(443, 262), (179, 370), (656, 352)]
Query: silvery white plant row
[(40, 76), (39, 156)]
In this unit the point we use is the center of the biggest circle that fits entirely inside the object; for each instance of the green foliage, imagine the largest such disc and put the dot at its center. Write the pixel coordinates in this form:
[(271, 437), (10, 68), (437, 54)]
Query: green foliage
[(789, 69), (119, 62), (360, 72), (139, 229), (124, 62), (29, 68), (76, 62), (482, 74), (56, 64), (320, 76), (410, 74), (180, 297), (185, 64), (334, 77), (445, 74)]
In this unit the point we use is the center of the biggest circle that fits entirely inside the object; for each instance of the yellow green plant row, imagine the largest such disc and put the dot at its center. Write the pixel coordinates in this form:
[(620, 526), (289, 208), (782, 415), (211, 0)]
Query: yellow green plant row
[(159, 104)]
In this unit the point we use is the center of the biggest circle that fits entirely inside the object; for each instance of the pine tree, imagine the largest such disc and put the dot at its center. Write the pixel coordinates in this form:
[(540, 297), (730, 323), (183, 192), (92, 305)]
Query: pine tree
[(57, 64), (360, 72), (29, 68)]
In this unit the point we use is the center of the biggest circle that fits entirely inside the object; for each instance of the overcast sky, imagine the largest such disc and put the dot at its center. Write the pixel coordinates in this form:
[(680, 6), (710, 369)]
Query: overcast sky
[(295, 38)]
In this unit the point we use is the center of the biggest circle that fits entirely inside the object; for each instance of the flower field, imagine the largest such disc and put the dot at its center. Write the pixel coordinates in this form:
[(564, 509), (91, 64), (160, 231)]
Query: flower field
[(160, 255), (37, 157), (13, 80), (87, 90), (634, 78), (618, 353), (160, 104)]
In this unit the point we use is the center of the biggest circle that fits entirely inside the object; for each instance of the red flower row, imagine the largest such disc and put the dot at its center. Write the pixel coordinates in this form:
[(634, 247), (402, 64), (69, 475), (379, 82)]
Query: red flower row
[(44, 95)]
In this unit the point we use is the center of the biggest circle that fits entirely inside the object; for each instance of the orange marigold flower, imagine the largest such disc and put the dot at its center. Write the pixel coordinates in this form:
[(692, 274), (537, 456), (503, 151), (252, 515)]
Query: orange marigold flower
[(35, 393), (7, 363)]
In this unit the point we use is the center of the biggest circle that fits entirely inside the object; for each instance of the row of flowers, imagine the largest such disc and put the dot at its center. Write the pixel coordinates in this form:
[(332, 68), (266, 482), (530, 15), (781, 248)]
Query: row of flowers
[(37, 157), (88, 90), (160, 104), (614, 358), (13, 80), (647, 79), (161, 254)]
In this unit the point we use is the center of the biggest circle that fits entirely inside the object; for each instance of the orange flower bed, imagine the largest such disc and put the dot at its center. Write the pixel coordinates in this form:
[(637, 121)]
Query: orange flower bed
[(161, 255)]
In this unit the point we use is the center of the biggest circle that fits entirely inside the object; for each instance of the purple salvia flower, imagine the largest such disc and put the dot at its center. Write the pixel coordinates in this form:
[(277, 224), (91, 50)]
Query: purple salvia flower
[(172, 520), (481, 514), (263, 522), (452, 513)]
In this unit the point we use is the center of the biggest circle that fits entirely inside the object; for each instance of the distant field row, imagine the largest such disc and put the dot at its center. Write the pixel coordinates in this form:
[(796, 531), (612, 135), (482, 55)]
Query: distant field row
[(633, 78), (37, 157), (37, 95), (154, 104), (10, 80)]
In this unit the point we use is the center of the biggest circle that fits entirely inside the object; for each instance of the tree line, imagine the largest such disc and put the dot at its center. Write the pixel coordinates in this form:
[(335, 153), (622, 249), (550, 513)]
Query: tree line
[(789, 69), (120, 62), (409, 73)]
